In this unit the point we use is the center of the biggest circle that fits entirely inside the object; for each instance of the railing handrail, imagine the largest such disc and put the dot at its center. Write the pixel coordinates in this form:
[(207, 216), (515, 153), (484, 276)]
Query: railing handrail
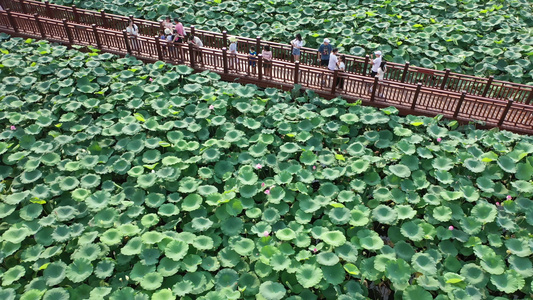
[(452, 104), (522, 92)]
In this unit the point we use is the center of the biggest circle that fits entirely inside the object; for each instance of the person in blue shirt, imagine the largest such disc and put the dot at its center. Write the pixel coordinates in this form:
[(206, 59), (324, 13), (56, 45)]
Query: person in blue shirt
[(252, 55), (324, 52)]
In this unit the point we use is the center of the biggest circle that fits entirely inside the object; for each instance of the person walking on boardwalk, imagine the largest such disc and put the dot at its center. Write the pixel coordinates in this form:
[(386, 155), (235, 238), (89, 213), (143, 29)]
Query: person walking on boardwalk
[(233, 52), (180, 31), (267, 61), (376, 62), (324, 52), (297, 44), (333, 60), (133, 32)]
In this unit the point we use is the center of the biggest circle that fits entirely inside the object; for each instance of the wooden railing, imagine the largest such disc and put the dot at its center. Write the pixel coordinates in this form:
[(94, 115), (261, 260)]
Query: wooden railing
[(443, 80), (409, 98)]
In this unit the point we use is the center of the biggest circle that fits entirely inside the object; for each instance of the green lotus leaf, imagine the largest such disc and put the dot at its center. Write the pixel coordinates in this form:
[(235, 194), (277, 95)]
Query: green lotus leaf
[(405, 212), (471, 225), (30, 176), (412, 231), (151, 281), (474, 165), (285, 234), (163, 295), (493, 264), (334, 238), (15, 235), (31, 211), (132, 247), (472, 273), (54, 273), (327, 258), (509, 282), (424, 263), (111, 237), (522, 265), (272, 290), (369, 239), (12, 275), (308, 275), (243, 246), (79, 270), (87, 251), (384, 214), (290, 147), (279, 262), (442, 213), (98, 200), (484, 212), (442, 163), (191, 202), (518, 247), (308, 158), (523, 186), (359, 217), (339, 215), (203, 242), (56, 294), (146, 180), (226, 278), (416, 292), (176, 250)]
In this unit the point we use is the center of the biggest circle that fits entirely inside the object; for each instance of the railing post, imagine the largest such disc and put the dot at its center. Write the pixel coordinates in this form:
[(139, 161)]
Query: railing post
[(487, 86), (158, 46), (23, 7), (296, 72), (530, 98), (405, 70), (193, 30), (225, 59), (104, 19), (224, 38), (260, 66), (69, 34), (12, 20), (445, 79), (97, 37), (459, 104), (76, 16), (49, 12), (417, 92), (334, 84), (191, 55), (292, 56), (505, 111), (365, 66), (127, 41), (374, 88), (258, 44), (39, 25)]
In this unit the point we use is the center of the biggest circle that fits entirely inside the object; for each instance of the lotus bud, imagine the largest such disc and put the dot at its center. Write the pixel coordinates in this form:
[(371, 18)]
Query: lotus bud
[(497, 203), (450, 228), (13, 127), (439, 139), (211, 106), (267, 192), (314, 250), (262, 184), (151, 79), (509, 197), (127, 277), (258, 166), (266, 233), (314, 167)]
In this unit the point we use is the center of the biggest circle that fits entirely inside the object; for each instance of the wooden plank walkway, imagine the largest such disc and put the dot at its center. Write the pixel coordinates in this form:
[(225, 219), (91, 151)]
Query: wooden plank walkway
[(408, 98)]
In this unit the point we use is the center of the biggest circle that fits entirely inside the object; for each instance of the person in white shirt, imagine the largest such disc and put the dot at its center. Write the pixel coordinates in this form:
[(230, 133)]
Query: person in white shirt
[(233, 52), (375, 63), (197, 43), (133, 33), (332, 65), (297, 44)]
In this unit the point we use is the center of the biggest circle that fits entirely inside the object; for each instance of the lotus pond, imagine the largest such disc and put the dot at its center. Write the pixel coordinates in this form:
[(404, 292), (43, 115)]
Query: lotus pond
[(124, 180), (476, 37)]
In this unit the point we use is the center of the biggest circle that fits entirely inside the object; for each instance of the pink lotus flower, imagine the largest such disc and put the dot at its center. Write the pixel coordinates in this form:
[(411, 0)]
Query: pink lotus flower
[(266, 233), (262, 184), (450, 228), (13, 127), (314, 250), (211, 106), (267, 192), (314, 167), (497, 203), (258, 166), (151, 79), (509, 197), (439, 139)]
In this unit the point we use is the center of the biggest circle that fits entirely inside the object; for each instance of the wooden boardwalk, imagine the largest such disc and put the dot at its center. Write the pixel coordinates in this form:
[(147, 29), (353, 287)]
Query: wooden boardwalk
[(431, 95)]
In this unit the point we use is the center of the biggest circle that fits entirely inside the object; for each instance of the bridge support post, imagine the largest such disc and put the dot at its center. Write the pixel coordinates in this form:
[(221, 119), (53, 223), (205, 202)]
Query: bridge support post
[(487, 86), (69, 34), (39, 25), (257, 44), (505, 111), (158, 47), (530, 98), (260, 66), (296, 72), (365, 66), (104, 19), (417, 93), (458, 107), (405, 70), (23, 7), (49, 12), (191, 55), (75, 12), (334, 83), (224, 38), (96, 37), (445, 79), (225, 60), (374, 88), (127, 41), (12, 20)]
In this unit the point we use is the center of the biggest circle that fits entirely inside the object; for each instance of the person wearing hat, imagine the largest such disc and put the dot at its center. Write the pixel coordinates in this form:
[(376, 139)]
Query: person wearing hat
[(324, 52), (233, 52), (376, 62), (168, 35)]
